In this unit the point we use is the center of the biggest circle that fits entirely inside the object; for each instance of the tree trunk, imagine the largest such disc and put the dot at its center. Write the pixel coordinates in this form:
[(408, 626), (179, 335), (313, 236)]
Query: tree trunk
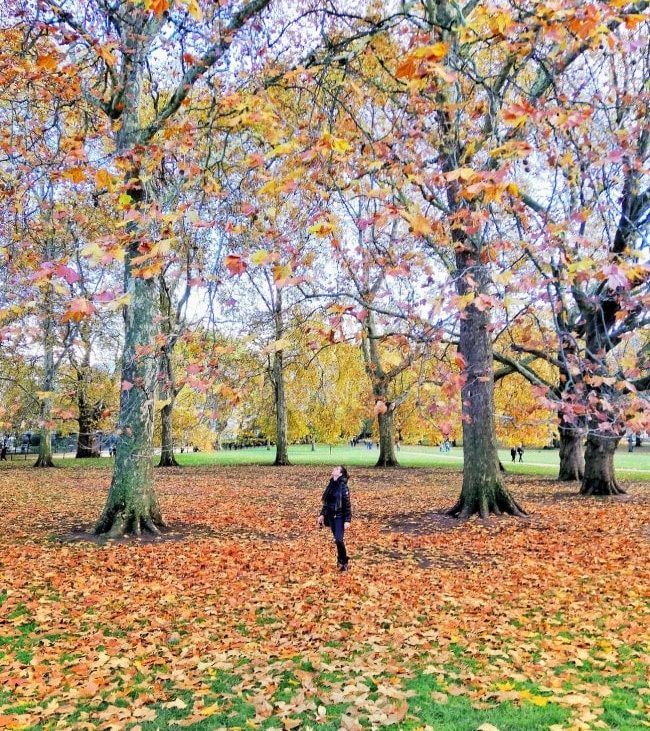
[(387, 455), (45, 447), (167, 457), (572, 460), (599, 477), (281, 427), (132, 505), (380, 382), (483, 490), (167, 382), (87, 443), (277, 376)]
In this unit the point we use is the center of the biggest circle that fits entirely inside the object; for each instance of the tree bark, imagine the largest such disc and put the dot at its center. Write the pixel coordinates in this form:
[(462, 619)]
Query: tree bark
[(277, 377), (483, 490), (281, 426), (45, 447), (380, 382), (168, 392), (572, 460), (132, 505), (167, 456), (387, 455), (87, 443), (44, 458), (599, 477)]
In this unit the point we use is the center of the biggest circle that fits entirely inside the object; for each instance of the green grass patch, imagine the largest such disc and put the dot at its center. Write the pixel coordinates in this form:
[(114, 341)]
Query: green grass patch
[(542, 462)]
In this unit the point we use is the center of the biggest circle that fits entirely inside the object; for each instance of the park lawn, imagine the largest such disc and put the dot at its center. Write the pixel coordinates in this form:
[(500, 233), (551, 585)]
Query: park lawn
[(542, 462), (238, 618)]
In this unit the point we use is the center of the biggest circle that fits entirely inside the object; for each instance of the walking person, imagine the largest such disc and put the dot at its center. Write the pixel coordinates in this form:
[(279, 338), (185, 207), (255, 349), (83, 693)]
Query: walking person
[(520, 452), (513, 453), (337, 512)]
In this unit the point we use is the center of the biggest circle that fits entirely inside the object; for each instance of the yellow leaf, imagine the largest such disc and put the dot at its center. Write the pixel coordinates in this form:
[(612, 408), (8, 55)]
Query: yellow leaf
[(103, 179), (194, 9), (420, 224), (435, 52), (284, 149), (259, 257), (270, 188), (210, 710), (321, 229), (341, 145)]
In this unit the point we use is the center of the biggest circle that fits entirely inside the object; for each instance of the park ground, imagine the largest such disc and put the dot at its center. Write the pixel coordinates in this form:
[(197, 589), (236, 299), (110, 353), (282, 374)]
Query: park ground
[(543, 462), (238, 619)]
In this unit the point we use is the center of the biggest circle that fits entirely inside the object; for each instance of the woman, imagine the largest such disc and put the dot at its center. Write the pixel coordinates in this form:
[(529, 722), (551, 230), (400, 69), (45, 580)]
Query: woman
[(337, 512)]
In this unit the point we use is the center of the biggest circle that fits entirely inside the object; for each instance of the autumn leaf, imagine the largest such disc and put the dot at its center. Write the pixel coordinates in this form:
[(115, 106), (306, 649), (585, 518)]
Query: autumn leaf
[(48, 62), (323, 228), (194, 9), (235, 264), (78, 309), (104, 179), (420, 225), (75, 174)]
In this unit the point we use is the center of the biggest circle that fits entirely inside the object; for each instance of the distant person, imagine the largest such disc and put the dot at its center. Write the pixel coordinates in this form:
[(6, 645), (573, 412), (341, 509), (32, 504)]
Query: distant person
[(337, 512), (3, 453), (520, 452), (513, 453)]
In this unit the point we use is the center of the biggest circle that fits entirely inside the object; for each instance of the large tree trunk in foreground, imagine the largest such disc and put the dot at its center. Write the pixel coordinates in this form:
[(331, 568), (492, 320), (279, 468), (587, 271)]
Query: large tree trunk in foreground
[(599, 477), (387, 456), (572, 459), (483, 490), (132, 505), (167, 457)]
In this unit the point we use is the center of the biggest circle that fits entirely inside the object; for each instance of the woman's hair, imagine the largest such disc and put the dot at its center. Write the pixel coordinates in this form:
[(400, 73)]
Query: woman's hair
[(344, 472)]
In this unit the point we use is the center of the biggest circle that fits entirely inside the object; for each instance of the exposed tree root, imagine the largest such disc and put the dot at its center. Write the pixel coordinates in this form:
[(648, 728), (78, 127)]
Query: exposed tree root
[(601, 487), (120, 523), (387, 462), (496, 504), (168, 460)]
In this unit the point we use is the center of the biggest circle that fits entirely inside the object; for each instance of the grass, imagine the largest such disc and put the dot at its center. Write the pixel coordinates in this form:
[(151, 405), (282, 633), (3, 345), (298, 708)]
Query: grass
[(543, 462), (535, 626)]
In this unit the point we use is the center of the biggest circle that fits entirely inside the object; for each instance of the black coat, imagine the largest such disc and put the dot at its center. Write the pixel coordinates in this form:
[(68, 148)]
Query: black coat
[(336, 500)]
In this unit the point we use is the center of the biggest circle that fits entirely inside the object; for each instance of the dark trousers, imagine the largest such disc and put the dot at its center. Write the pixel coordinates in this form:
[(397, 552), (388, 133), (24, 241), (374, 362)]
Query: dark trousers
[(338, 530)]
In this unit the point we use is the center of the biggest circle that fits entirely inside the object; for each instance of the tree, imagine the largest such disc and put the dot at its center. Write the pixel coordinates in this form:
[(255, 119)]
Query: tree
[(594, 220), (120, 47)]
